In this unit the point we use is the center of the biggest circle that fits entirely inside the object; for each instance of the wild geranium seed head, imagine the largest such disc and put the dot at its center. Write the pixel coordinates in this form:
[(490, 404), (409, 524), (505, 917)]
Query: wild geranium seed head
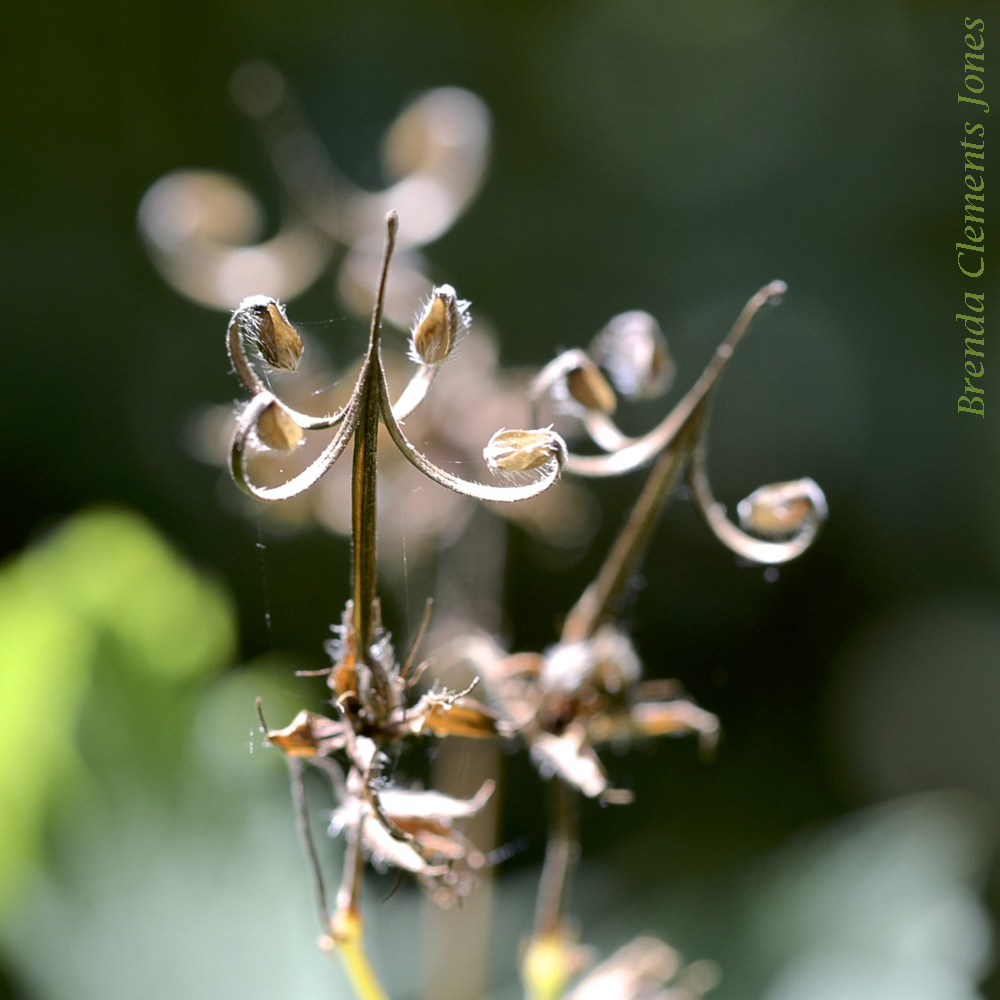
[(583, 694)]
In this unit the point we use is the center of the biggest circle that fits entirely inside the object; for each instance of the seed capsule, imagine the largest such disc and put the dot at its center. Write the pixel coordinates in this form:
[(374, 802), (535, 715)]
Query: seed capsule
[(522, 451), (633, 351), (780, 509), (276, 429), (588, 387), (277, 340), (435, 333)]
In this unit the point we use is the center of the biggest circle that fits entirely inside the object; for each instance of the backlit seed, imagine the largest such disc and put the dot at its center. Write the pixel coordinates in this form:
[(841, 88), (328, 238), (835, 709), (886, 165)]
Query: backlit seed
[(276, 429), (437, 330), (521, 451), (781, 508), (633, 351), (590, 388), (277, 340)]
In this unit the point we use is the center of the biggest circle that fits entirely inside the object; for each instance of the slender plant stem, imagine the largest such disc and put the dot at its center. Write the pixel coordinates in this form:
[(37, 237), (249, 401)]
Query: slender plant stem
[(349, 893), (561, 852), (296, 770), (551, 956), (363, 493), (347, 929), (359, 969), (598, 600)]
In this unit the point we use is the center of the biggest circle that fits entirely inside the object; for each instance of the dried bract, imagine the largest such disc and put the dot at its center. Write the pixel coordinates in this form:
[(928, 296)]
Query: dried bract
[(309, 735)]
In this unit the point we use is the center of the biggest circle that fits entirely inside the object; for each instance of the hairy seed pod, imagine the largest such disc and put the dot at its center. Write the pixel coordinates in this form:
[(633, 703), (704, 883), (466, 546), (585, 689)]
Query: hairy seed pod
[(781, 509), (277, 340), (633, 351), (522, 451), (439, 326), (276, 429), (588, 387)]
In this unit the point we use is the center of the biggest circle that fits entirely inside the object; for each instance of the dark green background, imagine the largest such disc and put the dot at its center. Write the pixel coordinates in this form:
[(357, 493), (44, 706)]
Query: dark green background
[(665, 156)]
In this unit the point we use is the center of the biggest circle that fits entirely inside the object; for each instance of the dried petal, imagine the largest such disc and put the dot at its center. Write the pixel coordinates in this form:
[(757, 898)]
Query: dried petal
[(385, 849), (569, 757), (655, 718), (522, 451), (308, 735), (633, 351), (435, 333), (453, 717), (781, 509), (404, 806), (277, 429), (413, 830)]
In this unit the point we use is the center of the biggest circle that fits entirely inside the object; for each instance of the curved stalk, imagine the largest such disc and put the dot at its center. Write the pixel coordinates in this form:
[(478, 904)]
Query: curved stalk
[(310, 475), (741, 542), (549, 473), (642, 450), (598, 600)]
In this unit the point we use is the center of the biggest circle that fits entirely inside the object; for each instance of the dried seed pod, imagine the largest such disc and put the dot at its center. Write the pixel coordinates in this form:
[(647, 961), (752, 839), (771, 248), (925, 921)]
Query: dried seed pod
[(574, 382), (588, 387), (633, 351), (276, 429), (781, 509), (522, 451), (437, 329), (277, 340)]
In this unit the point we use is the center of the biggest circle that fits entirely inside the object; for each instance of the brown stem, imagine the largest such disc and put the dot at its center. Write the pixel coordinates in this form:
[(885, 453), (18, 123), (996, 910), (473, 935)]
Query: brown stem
[(561, 852), (598, 600), (349, 893), (296, 770), (364, 473)]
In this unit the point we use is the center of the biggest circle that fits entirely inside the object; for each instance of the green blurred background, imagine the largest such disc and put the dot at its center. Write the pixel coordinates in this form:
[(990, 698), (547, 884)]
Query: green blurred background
[(666, 156)]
